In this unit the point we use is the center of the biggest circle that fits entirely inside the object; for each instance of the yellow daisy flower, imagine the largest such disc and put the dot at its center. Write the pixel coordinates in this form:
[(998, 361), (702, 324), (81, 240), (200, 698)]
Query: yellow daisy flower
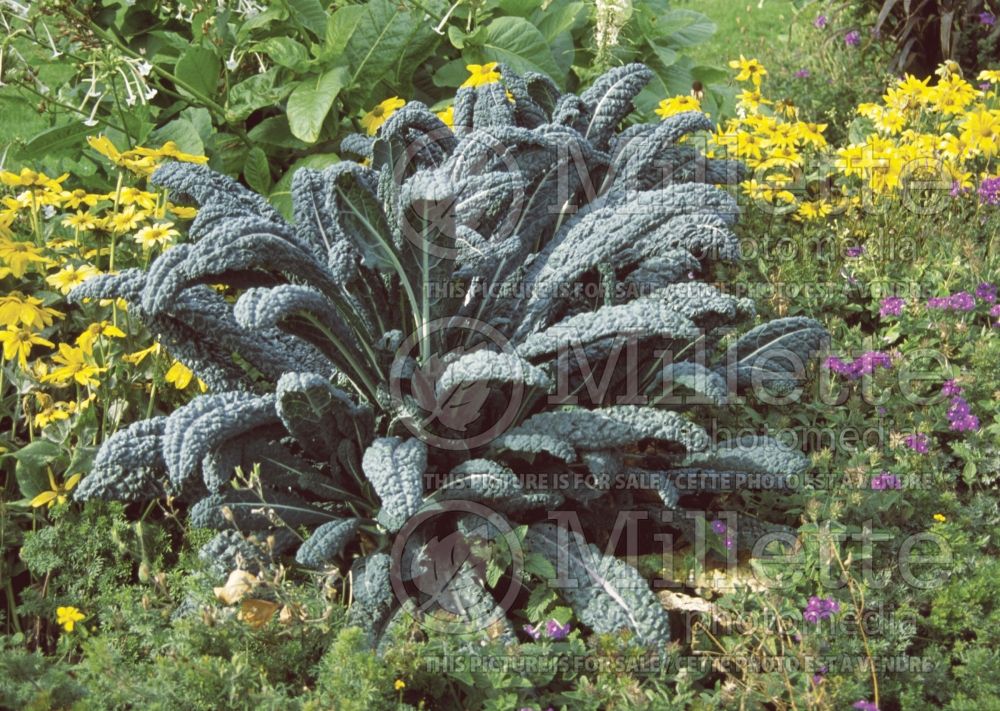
[(750, 69), (372, 120), (676, 105), (68, 617), (480, 74)]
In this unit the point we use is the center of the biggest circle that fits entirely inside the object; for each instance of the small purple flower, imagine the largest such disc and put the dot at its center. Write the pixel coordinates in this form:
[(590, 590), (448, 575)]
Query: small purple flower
[(728, 543), (962, 301), (534, 632), (864, 705), (984, 86), (855, 252), (987, 18), (951, 388), (957, 189), (917, 442), (802, 74), (960, 417), (863, 365), (892, 306), (995, 313), (719, 526), (835, 364), (989, 191), (987, 292), (852, 38), (820, 22), (818, 609), (556, 631), (938, 302)]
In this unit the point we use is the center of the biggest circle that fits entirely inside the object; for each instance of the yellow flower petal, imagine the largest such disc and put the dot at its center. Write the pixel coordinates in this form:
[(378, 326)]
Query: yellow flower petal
[(44, 498)]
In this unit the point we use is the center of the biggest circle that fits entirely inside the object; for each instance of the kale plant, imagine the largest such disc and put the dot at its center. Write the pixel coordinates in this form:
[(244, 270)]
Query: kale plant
[(508, 316)]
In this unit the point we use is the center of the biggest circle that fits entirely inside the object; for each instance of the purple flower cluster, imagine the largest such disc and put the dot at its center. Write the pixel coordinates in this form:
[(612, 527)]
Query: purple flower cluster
[(989, 191), (802, 74), (959, 301), (987, 18), (818, 609), (960, 417), (820, 22), (863, 365), (951, 388), (885, 480), (553, 630), (995, 313), (917, 442), (892, 306), (852, 38), (855, 252), (864, 705), (986, 292)]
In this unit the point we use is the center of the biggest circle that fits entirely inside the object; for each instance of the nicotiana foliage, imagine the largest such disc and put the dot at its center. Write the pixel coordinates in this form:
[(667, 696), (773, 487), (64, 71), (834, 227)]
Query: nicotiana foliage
[(510, 317)]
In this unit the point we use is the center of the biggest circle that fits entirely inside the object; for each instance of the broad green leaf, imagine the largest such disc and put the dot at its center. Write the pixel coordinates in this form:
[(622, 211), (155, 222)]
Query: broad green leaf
[(451, 74), (310, 102), (182, 132), (82, 460), (201, 119), (519, 8), (199, 68), (257, 171), (309, 14), (70, 136), (227, 153), (339, 29), (255, 93), (260, 21), (557, 19), (388, 44), (665, 55), (707, 74), (275, 131), (284, 51), (33, 461), (518, 43), (683, 28)]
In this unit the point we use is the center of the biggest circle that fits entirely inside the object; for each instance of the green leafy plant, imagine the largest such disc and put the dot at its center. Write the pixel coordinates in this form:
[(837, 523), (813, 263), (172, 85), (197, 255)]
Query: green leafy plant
[(263, 90), (349, 375)]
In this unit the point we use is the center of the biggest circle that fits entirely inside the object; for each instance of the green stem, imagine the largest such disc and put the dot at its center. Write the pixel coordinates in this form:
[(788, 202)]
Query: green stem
[(152, 401), (367, 386), (121, 114), (12, 604), (68, 107), (214, 107)]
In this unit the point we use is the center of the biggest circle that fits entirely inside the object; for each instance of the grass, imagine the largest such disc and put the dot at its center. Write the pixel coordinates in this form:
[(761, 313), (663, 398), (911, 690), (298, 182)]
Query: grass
[(756, 28)]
